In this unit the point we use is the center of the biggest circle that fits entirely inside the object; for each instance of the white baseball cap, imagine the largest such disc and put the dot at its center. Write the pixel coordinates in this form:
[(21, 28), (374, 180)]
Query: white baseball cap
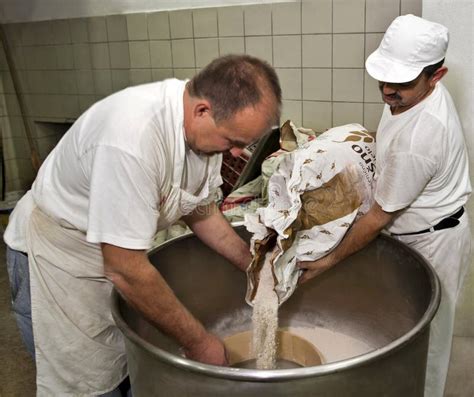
[(409, 45)]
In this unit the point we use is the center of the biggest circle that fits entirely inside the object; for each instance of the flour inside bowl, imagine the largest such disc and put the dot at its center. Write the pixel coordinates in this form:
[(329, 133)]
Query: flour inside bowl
[(265, 318)]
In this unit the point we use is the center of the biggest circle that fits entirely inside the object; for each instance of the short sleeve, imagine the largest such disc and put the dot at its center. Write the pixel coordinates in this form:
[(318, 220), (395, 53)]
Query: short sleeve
[(123, 199), (402, 179)]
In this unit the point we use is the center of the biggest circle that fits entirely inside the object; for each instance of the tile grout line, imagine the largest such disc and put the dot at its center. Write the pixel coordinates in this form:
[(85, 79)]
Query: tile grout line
[(301, 66), (363, 76), (332, 64), (194, 41)]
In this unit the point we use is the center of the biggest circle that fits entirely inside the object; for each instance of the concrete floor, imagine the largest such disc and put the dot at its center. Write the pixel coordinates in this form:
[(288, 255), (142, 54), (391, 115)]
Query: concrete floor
[(17, 370)]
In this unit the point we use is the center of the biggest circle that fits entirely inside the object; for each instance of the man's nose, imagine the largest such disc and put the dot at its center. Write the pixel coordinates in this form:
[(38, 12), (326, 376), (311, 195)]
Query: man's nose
[(386, 88), (235, 151)]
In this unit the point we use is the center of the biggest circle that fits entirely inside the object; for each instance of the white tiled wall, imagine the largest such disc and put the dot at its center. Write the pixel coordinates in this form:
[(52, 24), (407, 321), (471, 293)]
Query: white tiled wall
[(318, 48)]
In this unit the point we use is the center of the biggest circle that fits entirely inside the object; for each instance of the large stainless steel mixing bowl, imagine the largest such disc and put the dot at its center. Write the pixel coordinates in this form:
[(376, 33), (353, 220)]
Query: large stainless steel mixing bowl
[(386, 296)]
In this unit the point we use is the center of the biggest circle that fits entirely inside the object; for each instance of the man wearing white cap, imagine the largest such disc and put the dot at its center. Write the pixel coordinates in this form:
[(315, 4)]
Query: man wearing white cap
[(422, 173)]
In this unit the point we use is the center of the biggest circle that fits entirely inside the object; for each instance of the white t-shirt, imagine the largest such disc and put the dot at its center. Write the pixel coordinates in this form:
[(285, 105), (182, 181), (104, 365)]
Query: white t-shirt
[(108, 173), (422, 164)]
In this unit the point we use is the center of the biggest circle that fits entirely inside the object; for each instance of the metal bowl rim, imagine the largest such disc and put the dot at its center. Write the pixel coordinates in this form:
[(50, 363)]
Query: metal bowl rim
[(276, 375)]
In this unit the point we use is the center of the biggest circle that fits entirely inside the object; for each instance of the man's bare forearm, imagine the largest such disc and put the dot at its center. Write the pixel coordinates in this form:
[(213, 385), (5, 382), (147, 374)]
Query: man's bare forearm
[(362, 233), (212, 228), (359, 235), (145, 289)]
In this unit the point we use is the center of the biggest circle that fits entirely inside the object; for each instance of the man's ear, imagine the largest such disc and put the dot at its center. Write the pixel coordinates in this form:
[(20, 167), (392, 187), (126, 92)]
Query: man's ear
[(438, 75), (202, 108)]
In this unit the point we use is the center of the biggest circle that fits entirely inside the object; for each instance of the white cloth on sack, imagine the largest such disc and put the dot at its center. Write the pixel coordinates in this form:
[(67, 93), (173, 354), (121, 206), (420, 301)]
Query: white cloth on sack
[(422, 166), (132, 175), (347, 150)]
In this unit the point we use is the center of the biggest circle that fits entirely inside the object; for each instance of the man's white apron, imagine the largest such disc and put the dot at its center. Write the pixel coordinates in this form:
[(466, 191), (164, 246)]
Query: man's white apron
[(79, 350)]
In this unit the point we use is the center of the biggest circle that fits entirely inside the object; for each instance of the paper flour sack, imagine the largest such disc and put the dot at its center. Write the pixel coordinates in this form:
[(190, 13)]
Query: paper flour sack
[(314, 196)]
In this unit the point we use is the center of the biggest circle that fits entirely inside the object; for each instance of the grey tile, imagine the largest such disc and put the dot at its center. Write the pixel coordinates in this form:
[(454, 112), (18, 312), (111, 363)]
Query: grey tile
[(379, 14), (3, 60), (18, 57), (286, 18), (317, 50), (13, 33), (348, 85), (160, 53), (11, 105), (158, 25), (30, 104), (13, 127), (82, 56), (43, 32), (258, 20), (206, 51), (347, 113), (348, 16), (119, 55), (181, 24), (183, 53), (411, 7), (460, 382), (140, 76), (100, 56), (15, 148), (317, 115), (65, 56), (7, 83), (464, 321), (137, 26), (291, 110), (86, 101), (22, 83), (372, 114), (120, 79), (205, 22), (78, 27), (61, 31), (19, 169), (117, 28), (67, 82), (29, 34), (184, 74), (371, 90), (372, 41), (85, 82), (290, 81), (287, 51), (102, 82), (260, 47), (161, 74), (38, 83), (230, 21), (317, 84), (42, 57), (97, 29), (3, 107), (348, 51), (139, 54), (231, 45)]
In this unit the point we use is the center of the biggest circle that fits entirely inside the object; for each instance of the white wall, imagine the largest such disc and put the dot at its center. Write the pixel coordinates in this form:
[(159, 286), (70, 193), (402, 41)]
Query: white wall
[(38, 10), (457, 16)]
